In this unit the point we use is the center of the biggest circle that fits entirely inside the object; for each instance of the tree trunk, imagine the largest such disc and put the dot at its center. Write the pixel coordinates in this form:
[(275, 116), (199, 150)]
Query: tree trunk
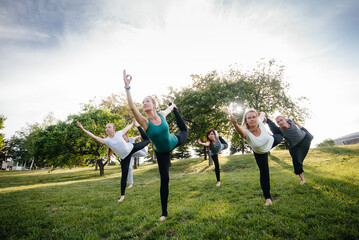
[(205, 153), (102, 167), (96, 165), (136, 162)]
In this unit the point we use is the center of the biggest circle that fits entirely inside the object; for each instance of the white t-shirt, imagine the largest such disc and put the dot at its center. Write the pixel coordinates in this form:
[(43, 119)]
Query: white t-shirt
[(119, 145), (261, 144)]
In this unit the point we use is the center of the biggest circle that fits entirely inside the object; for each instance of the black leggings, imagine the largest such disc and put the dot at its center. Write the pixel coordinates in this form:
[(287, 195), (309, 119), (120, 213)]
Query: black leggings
[(299, 152), (262, 160), (125, 163), (215, 159), (163, 161)]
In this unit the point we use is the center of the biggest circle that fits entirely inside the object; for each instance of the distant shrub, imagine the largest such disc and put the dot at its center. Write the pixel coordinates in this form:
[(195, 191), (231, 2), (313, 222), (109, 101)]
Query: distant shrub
[(326, 142)]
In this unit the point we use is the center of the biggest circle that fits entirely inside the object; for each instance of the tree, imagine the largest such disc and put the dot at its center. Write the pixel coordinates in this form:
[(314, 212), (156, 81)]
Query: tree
[(2, 120), (327, 142), (265, 90), (206, 103), (2, 142)]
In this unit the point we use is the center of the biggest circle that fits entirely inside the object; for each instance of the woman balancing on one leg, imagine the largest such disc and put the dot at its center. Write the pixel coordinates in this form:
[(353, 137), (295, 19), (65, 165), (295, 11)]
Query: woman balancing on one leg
[(253, 130), (157, 129), (123, 149), (216, 144), (299, 140)]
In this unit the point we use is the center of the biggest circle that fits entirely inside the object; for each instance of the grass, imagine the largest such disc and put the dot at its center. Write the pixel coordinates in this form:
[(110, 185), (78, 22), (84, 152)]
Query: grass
[(78, 204)]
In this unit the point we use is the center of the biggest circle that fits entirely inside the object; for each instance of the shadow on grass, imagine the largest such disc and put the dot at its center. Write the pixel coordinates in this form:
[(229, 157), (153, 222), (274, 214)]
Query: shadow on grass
[(327, 184)]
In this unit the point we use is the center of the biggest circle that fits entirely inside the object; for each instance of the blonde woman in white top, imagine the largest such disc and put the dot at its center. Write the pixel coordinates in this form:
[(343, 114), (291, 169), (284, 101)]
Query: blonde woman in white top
[(261, 142)]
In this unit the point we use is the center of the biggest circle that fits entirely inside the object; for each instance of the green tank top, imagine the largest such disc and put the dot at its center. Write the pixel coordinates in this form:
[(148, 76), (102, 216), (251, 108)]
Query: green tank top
[(160, 136)]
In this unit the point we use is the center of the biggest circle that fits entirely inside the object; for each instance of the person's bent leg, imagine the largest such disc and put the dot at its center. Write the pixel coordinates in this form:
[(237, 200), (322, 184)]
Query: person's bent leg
[(277, 133), (223, 142), (183, 134), (163, 161)]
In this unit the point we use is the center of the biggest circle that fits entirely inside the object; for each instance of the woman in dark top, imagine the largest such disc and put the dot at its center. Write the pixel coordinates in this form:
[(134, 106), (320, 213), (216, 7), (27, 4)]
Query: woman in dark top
[(156, 128), (216, 144)]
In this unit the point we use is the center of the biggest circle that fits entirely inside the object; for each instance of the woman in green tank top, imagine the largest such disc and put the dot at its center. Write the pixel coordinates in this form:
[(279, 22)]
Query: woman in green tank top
[(156, 128)]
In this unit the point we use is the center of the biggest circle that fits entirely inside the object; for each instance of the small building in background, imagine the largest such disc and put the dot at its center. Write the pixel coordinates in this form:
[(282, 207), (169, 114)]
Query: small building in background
[(352, 138)]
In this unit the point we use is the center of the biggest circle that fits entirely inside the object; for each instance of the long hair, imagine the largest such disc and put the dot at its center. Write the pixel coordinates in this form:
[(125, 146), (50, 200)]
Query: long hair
[(245, 124), (109, 153), (210, 141)]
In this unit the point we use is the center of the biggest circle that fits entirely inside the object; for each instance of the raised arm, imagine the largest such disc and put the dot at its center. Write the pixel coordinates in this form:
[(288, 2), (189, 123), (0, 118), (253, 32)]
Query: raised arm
[(128, 127), (139, 117), (237, 127), (216, 133), (261, 116), (206, 144), (91, 135)]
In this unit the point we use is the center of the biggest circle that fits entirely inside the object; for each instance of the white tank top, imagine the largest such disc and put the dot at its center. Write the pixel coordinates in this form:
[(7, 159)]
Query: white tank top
[(261, 144)]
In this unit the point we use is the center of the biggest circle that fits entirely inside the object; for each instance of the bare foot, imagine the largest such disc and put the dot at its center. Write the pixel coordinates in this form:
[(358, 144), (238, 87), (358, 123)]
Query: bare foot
[(268, 202), (162, 218), (121, 198), (302, 180), (218, 184), (130, 186)]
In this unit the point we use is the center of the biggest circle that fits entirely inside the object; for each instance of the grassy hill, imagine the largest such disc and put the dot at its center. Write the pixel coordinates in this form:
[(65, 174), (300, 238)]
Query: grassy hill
[(78, 204)]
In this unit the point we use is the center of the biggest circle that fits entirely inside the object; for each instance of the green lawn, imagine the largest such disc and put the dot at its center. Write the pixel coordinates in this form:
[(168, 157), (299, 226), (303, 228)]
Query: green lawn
[(78, 204)]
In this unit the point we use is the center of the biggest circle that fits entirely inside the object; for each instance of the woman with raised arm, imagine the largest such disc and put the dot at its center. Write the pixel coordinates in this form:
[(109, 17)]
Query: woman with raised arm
[(156, 127), (253, 130), (216, 144), (123, 149), (299, 140)]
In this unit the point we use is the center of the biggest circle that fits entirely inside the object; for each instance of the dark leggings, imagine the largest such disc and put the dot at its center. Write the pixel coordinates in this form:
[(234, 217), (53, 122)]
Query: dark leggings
[(163, 161), (215, 159), (262, 160), (125, 163), (300, 151)]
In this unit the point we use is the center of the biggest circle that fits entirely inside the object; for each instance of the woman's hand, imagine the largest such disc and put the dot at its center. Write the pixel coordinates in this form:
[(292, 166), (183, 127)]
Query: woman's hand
[(79, 125), (126, 78), (103, 135), (232, 118), (135, 123), (199, 141)]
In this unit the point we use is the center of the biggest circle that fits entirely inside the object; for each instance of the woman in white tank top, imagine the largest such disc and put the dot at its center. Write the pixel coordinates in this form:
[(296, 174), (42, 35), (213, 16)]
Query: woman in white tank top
[(261, 142)]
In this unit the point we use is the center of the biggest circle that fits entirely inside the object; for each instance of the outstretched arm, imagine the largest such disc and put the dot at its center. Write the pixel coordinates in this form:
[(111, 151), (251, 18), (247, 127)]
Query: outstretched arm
[(139, 117), (128, 127), (91, 135), (206, 144), (237, 127)]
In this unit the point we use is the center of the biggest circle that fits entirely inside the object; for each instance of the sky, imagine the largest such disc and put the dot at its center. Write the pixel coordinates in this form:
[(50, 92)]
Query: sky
[(56, 55)]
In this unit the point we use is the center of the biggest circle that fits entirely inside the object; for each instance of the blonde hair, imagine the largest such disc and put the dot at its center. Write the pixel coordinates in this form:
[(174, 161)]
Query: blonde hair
[(245, 124)]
